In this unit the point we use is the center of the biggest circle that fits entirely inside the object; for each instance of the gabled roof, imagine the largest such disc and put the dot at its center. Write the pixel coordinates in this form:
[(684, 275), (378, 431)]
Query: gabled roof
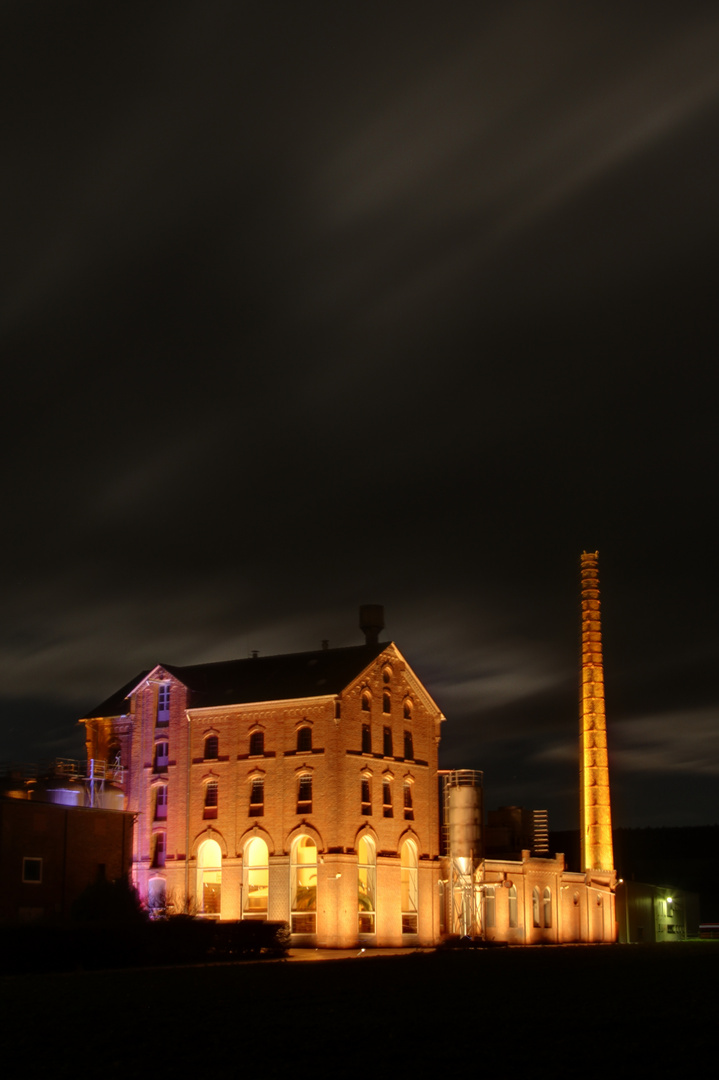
[(261, 678), (117, 704)]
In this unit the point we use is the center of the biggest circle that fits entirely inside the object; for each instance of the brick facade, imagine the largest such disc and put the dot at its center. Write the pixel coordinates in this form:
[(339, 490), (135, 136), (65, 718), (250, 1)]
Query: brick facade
[(308, 754)]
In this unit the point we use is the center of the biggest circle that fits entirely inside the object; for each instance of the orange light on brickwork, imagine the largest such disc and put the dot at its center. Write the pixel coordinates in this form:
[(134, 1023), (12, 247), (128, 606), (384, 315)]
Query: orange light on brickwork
[(595, 807)]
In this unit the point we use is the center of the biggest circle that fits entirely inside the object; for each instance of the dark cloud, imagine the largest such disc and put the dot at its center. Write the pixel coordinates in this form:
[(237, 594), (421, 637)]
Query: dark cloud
[(308, 306)]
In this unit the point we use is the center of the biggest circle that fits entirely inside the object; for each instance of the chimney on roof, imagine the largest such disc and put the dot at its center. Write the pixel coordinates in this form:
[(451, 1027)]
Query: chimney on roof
[(371, 622)]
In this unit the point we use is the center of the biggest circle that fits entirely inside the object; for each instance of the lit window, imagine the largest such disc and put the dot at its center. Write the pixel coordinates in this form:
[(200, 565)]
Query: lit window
[(256, 877), (163, 703), (367, 885), (304, 795), (303, 885), (409, 886), (547, 906), (366, 739), (257, 743), (159, 849), (408, 807), (366, 796), (32, 871), (257, 797), (386, 702), (162, 755), (386, 798), (490, 915), (160, 802), (513, 907), (387, 741), (212, 747), (157, 897), (209, 878), (304, 739), (408, 746), (211, 799)]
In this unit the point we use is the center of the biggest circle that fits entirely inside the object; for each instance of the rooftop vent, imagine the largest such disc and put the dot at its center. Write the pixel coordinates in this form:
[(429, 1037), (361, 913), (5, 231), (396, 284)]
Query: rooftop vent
[(371, 621)]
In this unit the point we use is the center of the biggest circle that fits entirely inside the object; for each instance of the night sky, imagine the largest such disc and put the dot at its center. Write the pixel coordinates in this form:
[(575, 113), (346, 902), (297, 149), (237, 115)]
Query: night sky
[(308, 305)]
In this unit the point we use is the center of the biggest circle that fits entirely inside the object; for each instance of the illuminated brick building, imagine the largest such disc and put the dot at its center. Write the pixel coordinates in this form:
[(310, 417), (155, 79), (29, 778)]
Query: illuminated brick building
[(305, 788), (299, 787)]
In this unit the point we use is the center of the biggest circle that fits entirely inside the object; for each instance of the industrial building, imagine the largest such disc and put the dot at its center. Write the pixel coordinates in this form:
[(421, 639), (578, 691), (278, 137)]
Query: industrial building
[(305, 787)]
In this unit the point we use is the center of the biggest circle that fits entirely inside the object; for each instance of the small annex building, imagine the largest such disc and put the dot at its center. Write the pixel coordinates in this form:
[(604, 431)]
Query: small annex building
[(50, 854), (300, 787)]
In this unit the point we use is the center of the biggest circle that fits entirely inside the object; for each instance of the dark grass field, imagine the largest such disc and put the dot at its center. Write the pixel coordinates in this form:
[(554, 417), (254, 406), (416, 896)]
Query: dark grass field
[(595, 1009)]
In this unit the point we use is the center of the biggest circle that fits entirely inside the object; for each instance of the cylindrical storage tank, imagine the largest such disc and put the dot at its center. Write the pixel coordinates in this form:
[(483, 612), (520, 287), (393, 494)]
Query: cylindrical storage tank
[(464, 804), (74, 796), (112, 799)]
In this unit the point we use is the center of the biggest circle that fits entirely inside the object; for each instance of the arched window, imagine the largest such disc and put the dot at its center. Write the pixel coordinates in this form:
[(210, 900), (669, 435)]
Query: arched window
[(547, 906), (408, 807), (159, 850), (211, 799), (408, 746), (386, 674), (366, 739), (114, 755), (157, 897), (303, 885), (535, 906), (513, 907), (409, 886), (366, 701), (209, 878), (386, 798), (162, 756), (160, 802), (256, 877), (407, 709), (257, 743), (304, 794), (304, 739), (386, 702), (257, 796), (366, 795), (212, 746), (367, 885)]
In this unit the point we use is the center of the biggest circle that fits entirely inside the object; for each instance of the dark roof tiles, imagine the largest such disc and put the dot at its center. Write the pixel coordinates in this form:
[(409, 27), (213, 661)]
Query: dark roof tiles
[(261, 678)]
